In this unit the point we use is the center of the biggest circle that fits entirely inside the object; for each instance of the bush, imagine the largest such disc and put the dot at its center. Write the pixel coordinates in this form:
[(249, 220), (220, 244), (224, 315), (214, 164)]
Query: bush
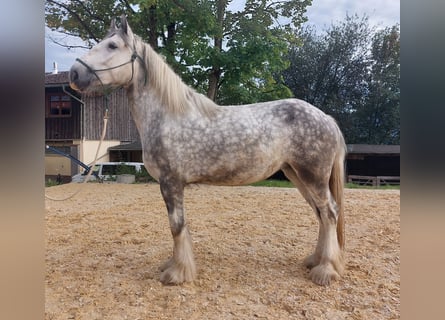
[(143, 176)]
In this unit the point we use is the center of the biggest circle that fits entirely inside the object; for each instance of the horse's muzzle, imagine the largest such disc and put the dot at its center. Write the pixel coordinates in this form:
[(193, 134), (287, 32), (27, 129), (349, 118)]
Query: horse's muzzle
[(74, 76), (80, 77)]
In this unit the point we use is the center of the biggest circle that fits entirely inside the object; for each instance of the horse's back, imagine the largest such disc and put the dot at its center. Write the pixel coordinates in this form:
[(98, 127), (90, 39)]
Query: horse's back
[(309, 136), (288, 112), (297, 120)]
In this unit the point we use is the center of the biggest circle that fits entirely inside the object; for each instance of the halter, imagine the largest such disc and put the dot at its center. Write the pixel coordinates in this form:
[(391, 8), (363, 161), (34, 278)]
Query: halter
[(134, 56)]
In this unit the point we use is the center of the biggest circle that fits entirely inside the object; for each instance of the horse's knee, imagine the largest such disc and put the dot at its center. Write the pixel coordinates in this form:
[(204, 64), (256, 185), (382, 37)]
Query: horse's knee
[(333, 209), (173, 194), (327, 214), (177, 223)]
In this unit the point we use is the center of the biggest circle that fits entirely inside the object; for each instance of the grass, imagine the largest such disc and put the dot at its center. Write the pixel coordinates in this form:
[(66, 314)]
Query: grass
[(384, 187), (273, 183), (288, 184), (51, 183)]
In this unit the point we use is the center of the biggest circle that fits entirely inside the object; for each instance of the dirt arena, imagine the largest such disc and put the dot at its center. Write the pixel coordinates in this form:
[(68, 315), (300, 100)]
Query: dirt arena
[(105, 245)]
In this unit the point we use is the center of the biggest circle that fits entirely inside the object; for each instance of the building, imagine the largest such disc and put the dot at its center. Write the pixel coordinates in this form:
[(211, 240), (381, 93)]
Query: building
[(368, 164), (373, 164), (74, 122)]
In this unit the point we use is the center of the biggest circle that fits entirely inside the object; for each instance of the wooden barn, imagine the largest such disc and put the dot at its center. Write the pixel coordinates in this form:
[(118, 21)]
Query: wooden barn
[(74, 122), (373, 164)]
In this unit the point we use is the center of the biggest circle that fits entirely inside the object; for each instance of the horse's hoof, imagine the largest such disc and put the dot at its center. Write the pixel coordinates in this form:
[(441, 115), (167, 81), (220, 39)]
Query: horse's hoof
[(170, 278), (174, 273), (323, 274), (312, 261), (167, 264)]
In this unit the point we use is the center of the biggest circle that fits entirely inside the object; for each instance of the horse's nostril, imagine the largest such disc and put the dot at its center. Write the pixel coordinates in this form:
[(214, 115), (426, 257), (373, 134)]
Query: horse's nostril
[(74, 75)]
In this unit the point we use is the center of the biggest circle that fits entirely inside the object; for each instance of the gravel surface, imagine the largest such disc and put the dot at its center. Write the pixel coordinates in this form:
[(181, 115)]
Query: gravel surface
[(104, 247)]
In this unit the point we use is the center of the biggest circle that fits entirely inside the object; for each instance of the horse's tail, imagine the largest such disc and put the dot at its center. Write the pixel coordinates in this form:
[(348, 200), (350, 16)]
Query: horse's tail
[(336, 186)]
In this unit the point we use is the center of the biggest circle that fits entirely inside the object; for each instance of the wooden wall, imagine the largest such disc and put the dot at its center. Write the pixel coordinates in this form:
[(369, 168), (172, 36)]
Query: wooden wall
[(63, 128), (120, 123)]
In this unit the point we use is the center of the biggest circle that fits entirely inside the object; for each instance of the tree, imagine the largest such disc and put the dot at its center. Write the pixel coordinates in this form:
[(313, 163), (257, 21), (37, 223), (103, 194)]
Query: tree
[(378, 118), (344, 72), (84, 19), (250, 49), (234, 57)]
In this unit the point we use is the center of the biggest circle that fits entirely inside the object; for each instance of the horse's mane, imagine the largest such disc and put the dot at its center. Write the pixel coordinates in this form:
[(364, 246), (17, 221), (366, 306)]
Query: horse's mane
[(174, 94)]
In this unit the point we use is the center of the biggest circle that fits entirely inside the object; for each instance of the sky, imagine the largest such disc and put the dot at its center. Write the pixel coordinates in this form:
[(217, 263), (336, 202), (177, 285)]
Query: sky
[(321, 14)]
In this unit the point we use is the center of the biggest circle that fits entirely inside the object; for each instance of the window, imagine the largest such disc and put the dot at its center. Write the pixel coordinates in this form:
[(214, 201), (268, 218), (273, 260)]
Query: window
[(109, 170), (58, 105)]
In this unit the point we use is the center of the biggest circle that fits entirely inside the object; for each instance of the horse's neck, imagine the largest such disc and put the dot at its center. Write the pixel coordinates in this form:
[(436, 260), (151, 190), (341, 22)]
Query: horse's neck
[(145, 108), (164, 91)]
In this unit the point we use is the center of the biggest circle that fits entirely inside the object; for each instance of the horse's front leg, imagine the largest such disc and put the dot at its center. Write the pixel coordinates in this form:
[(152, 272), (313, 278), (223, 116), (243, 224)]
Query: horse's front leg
[(181, 266)]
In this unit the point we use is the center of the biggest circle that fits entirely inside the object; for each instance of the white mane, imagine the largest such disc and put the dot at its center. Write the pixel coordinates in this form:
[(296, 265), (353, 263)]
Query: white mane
[(173, 93)]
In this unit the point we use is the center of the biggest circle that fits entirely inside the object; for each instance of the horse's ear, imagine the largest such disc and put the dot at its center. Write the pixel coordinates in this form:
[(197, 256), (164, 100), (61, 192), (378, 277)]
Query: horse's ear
[(113, 24), (125, 27), (124, 24)]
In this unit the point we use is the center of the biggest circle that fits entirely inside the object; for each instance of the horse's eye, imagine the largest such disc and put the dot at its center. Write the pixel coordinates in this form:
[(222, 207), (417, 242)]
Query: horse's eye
[(112, 46)]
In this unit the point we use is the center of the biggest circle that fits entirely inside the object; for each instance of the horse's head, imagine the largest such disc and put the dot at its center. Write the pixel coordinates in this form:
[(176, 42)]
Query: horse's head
[(107, 64)]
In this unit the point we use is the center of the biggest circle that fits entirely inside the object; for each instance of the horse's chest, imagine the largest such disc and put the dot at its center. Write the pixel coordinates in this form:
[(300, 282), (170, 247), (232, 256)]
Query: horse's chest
[(152, 156), (152, 166)]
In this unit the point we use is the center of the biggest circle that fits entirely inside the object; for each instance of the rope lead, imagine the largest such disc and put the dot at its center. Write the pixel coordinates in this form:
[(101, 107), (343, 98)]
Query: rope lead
[(104, 130)]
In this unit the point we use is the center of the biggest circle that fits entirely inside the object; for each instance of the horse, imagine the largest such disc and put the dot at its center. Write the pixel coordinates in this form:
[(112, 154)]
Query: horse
[(189, 139)]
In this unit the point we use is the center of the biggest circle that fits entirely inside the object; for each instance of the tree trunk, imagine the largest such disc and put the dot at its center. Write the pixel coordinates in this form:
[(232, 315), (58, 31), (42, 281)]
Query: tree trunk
[(214, 78), (215, 73), (152, 28)]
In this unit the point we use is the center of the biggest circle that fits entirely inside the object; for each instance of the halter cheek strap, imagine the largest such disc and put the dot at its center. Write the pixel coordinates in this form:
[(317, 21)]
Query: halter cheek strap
[(134, 56)]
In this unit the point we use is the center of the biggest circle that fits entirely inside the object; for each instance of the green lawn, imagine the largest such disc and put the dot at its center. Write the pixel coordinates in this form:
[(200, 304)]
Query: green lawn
[(273, 183), (288, 184)]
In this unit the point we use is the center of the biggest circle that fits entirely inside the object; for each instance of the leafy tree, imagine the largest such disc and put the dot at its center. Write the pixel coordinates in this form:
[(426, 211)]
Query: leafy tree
[(234, 57), (254, 50), (350, 72), (329, 70), (378, 118), (86, 19)]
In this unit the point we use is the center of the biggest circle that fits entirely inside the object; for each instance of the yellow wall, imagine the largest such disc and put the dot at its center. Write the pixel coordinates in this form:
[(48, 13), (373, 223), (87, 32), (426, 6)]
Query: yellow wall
[(55, 164), (88, 149)]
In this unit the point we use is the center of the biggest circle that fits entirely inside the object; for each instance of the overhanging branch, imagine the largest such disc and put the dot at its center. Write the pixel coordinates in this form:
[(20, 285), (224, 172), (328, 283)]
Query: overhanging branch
[(68, 46), (77, 17)]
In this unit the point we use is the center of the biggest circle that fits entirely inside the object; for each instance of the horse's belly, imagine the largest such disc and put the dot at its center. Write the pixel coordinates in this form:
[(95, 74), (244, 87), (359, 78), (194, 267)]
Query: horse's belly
[(236, 174)]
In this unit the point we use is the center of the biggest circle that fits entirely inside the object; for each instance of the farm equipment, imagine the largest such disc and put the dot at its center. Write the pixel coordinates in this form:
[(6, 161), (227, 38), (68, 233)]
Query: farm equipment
[(75, 160)]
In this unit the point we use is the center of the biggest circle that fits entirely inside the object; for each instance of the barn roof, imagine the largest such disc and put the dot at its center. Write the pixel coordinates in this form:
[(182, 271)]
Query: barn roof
[(56, 79), (133, 146), (373, 149)]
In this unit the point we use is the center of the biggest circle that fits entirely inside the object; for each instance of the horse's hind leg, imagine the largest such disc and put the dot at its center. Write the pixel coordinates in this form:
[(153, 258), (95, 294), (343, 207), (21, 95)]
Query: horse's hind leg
[(314, 259), (326, 262), (181, 266), (330, 265)]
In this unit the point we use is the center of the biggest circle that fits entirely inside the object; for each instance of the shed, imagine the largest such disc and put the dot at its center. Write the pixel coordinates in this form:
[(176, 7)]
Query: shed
[(127, 152), (373, 164)]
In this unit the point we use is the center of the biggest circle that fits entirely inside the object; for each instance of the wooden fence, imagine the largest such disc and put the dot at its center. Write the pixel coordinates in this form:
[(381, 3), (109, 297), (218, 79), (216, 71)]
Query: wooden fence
[(374, 181)]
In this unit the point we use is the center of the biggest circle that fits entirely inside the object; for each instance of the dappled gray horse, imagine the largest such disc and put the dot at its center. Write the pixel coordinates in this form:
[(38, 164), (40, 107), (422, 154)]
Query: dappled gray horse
[(187, 138)]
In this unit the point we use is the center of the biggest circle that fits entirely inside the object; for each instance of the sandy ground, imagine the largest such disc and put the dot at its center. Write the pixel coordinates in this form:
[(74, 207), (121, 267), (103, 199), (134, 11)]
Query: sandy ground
[(104, 248)]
